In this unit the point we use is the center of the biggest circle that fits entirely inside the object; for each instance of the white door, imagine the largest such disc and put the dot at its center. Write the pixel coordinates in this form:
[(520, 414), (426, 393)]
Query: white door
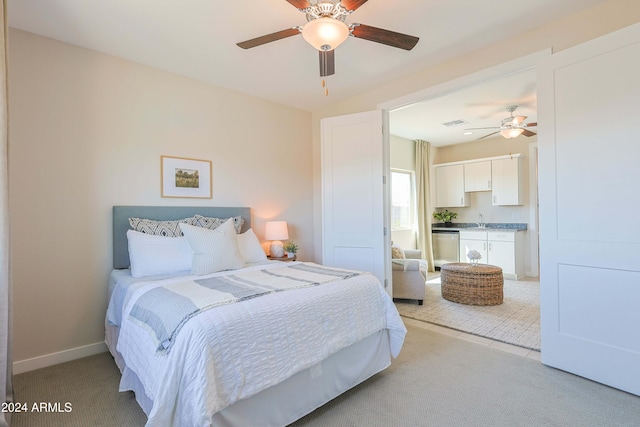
[(353, 176), (589, 183)]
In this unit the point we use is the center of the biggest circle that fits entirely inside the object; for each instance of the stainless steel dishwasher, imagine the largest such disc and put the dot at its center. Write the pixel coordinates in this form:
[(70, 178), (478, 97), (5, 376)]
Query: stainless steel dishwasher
[(446, 247)]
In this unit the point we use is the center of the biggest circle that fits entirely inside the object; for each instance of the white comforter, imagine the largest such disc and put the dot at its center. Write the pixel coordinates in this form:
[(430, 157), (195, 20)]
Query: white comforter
[(237, 350)]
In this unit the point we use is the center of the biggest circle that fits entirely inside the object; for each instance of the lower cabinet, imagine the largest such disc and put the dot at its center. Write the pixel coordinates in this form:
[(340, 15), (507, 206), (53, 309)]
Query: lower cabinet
[(502, 249)]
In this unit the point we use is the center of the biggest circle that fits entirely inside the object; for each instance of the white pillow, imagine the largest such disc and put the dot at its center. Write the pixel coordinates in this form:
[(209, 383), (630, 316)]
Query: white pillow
[(213, 250), (151, 255), (250, 247)]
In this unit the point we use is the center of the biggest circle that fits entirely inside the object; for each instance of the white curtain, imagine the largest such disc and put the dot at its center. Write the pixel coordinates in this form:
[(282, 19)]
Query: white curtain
[(423, 192), (6, 340)]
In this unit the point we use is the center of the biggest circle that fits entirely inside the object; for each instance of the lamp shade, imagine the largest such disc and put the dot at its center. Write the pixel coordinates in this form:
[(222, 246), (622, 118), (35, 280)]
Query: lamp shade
[(276, 230), (325, 33), (511, 133)]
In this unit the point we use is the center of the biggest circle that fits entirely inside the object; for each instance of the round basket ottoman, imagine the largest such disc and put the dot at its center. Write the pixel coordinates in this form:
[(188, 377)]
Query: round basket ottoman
[(470, 284)]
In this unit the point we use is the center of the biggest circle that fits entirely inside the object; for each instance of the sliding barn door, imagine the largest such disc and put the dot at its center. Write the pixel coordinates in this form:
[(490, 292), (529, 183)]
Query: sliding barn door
[(589, 178), (353, 229)]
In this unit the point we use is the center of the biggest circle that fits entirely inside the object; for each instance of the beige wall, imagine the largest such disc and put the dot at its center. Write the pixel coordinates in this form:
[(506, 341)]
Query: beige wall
[(562, 34), (402, 153), (86, 133)]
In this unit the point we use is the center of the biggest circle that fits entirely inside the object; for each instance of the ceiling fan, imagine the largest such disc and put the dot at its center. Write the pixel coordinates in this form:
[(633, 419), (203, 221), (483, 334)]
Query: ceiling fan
[(511, 126), (326, 29)]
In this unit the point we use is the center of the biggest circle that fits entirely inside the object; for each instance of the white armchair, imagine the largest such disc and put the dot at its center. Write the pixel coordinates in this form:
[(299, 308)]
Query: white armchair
[(409, 276)]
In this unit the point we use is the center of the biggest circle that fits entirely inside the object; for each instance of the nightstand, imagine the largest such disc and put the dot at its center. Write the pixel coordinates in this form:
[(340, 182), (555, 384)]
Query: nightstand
[(283, 259)]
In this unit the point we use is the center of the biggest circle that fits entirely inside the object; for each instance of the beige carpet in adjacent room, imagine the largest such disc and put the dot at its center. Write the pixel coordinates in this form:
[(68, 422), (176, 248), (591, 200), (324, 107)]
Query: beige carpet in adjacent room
[(516, 321)]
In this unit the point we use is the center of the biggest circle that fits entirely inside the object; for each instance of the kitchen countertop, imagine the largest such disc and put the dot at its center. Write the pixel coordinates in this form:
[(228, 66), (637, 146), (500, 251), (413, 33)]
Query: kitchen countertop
[(472, 226)]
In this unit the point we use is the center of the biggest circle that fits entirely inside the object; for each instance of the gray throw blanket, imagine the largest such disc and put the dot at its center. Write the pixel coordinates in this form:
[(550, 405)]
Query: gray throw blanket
[(164, 309)]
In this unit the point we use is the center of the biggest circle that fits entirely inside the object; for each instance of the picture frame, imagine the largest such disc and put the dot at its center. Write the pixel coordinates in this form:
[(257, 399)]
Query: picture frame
[(185, 177)]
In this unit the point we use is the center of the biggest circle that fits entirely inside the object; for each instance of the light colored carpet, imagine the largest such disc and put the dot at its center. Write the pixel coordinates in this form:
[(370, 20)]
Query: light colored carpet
[(437, 380), (516, 321)]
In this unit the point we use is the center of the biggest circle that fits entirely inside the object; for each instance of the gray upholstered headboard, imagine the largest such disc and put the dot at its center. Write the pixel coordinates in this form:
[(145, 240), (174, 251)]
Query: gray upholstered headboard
[(121, 215)]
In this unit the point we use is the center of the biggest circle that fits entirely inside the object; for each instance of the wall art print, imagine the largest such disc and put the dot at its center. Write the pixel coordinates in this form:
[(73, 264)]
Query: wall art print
[(184, 177)]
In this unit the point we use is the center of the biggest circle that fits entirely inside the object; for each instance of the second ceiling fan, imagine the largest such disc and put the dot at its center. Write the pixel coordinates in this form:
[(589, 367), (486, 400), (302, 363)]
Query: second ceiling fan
[(511, 126), (326, 29)]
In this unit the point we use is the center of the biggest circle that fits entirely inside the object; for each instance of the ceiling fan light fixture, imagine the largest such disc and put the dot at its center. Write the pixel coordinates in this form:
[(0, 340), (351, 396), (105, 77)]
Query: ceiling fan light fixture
[(325, 33), (511, 133)]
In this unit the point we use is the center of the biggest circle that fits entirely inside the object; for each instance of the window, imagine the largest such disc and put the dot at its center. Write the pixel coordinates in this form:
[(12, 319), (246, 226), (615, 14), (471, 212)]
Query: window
[(402, 200)]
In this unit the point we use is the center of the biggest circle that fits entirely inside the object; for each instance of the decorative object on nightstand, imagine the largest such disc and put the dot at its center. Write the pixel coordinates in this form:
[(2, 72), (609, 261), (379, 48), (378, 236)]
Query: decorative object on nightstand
[(291, 248), (276, 231)]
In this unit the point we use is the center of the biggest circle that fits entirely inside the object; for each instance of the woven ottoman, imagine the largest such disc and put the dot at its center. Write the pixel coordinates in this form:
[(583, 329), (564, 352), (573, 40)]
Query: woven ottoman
[(470, 284)]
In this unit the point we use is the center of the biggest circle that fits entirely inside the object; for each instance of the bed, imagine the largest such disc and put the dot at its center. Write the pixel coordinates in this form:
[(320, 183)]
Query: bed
[(260, 358)]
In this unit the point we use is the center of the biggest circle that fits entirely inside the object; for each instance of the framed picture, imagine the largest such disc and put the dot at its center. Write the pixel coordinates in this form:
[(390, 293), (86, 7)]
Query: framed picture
[(182, 177)]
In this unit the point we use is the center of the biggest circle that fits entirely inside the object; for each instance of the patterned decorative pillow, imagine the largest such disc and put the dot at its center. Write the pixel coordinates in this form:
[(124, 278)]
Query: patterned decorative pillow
[(213, 223), (159, 228), (397, 252)]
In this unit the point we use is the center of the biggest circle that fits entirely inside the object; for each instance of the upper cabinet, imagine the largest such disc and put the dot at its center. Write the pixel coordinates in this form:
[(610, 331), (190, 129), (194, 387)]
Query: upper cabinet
[(477, 176), (450, 186), (507, 182), (501, 175)]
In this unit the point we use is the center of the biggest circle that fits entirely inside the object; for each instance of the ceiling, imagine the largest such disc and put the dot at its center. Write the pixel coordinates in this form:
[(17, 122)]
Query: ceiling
[(478, 106), (197, 39)]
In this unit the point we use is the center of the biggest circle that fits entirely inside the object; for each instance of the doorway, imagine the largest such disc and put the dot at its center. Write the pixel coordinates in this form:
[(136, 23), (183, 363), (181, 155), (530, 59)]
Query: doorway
[(442, 113)]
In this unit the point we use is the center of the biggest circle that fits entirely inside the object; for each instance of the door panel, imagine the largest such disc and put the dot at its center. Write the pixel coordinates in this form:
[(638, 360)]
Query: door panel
[(353, 193), (588, 180)]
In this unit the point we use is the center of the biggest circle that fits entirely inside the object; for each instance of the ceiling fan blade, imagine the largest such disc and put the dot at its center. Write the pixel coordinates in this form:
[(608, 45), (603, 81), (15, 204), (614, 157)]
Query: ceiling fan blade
[(248, 44), (483, 137), (299, 4), (528, 133), (532, 124), (352, 5), (390, 38), (327, 63)]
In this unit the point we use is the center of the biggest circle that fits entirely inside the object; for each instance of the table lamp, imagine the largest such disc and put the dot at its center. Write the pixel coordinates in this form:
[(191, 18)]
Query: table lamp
[(276, 231)]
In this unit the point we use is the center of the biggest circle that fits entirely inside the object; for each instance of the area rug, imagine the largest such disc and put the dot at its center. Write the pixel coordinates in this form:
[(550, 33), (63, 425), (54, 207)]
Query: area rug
[(516, 321)]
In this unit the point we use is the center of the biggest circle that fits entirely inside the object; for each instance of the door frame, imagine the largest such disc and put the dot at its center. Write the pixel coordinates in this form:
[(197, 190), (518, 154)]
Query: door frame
[(493, 73)]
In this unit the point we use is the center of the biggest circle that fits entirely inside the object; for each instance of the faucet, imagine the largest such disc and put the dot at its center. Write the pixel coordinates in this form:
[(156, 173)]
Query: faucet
[(480, 224)]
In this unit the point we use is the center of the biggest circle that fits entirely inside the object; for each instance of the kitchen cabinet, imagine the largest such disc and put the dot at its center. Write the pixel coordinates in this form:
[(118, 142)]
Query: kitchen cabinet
[(504, 249), (450, 186), (501, 175), (477, 176), (506, 182)]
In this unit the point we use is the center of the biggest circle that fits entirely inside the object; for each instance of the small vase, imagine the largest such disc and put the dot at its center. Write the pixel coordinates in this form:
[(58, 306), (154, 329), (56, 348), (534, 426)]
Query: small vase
[(290, 254), (448, 224)]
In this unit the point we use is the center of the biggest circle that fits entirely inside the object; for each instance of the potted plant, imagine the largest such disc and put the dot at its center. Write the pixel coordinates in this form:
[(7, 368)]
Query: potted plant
[(290, 248), (445, 216)]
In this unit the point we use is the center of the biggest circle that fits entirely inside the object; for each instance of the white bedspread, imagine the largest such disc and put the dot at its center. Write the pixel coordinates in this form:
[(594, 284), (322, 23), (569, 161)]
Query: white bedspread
[(237, 350)]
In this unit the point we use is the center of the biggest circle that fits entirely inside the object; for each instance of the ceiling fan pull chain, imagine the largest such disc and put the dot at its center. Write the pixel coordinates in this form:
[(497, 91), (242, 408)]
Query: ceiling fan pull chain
[(326, 89)]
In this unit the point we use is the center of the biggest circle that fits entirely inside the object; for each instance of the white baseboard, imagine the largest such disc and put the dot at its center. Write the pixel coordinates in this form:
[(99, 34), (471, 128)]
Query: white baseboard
[(60, 357)]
